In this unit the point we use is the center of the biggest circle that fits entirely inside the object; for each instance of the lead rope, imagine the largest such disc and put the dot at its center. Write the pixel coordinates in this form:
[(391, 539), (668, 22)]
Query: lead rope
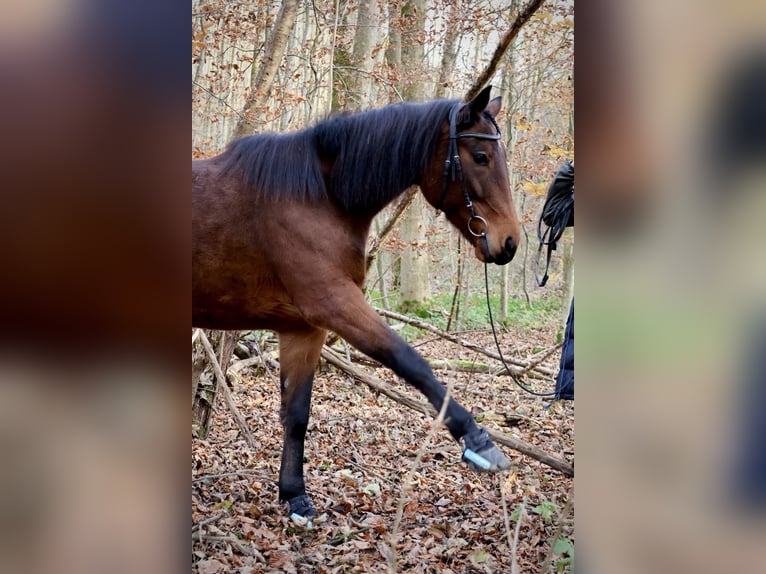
[(513, 376)]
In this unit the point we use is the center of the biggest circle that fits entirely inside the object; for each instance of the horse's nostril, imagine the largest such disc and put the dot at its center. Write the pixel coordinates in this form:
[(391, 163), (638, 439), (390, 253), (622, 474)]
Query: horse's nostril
[(510, 247)]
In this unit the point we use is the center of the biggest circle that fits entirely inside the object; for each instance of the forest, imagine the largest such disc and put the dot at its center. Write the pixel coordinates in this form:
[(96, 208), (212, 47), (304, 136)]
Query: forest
[(386, 477)]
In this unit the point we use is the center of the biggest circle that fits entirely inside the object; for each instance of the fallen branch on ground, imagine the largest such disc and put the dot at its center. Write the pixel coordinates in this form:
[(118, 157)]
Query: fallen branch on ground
[(373, 382), (197, 525), (263, 358), (234, 541), (341, 538), (528, 365), (462, 366)]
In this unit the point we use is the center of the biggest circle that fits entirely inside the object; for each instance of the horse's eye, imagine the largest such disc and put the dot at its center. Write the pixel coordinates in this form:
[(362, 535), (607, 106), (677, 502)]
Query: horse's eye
[(481, 158)]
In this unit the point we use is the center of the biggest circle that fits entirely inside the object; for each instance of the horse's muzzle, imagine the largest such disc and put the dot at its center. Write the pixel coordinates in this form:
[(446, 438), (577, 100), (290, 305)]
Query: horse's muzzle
[(505, 256)]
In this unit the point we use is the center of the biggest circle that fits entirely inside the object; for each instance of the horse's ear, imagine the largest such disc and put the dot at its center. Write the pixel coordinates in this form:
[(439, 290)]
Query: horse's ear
[(470, 112), (493, 107)]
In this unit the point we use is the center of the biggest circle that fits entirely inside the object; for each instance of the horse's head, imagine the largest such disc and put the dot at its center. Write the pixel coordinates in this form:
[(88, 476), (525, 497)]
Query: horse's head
[(473, 191)]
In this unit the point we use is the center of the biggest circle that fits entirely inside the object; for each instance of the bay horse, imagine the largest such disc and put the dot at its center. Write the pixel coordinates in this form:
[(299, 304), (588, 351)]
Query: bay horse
[(279, 231)]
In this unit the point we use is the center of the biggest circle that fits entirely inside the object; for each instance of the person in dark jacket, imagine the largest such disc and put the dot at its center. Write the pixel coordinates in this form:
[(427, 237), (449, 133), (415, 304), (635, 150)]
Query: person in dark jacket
[(557, 215)]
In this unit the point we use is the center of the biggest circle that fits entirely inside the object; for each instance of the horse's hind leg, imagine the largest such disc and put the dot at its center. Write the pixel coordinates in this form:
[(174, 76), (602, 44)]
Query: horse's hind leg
[(298, 356)]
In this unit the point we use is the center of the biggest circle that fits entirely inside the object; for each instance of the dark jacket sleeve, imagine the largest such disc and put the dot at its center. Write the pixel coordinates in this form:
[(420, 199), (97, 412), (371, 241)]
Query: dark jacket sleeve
[(560, 191)]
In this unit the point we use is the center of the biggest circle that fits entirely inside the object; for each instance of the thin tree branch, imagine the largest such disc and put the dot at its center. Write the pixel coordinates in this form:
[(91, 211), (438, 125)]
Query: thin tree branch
[(196, 526), (374, 76), (502, 47), (221, 100), (273, 54)]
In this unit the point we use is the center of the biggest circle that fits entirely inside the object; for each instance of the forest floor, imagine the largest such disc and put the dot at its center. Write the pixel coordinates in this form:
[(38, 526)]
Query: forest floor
[(360, 448)]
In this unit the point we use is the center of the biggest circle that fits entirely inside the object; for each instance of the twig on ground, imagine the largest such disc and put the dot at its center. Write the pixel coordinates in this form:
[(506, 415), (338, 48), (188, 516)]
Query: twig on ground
[(341, 538), (260, 357), (515, 543), (196, 526), (205, 477), (233, 540)]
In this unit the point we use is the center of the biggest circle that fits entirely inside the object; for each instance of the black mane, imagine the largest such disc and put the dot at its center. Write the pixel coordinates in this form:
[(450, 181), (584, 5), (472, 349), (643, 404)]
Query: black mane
[(377, 154)]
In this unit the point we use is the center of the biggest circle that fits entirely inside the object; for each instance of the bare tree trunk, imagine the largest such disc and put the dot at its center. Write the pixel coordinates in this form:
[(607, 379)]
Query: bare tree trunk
[(454, 312), (385, 229), (413, 51), (366, 37), (274, 52), (331, 76), (450, 49), (505, 284), (524, 266), (382, 278), (443, 89), (394, 49), (415, 278), (226, 349), (503, 314)]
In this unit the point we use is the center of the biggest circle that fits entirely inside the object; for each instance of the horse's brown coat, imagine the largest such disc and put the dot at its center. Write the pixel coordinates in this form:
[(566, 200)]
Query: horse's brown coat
[(296, 266)]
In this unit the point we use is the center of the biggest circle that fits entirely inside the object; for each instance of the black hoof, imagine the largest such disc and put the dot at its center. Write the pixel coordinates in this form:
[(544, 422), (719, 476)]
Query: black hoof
[(482, 455), (302, 512)]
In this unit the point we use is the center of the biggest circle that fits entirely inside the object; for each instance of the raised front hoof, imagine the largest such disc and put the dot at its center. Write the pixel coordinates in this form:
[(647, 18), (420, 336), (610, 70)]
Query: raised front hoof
[(480, 454), (302, 512)]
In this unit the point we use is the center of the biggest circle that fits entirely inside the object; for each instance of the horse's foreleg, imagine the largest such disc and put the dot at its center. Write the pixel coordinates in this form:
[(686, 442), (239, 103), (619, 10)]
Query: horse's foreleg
[(298, 356), (348, 314)]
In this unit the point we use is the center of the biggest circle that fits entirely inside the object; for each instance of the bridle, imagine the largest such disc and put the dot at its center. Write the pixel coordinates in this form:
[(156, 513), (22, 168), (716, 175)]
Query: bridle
[(453, 169)]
